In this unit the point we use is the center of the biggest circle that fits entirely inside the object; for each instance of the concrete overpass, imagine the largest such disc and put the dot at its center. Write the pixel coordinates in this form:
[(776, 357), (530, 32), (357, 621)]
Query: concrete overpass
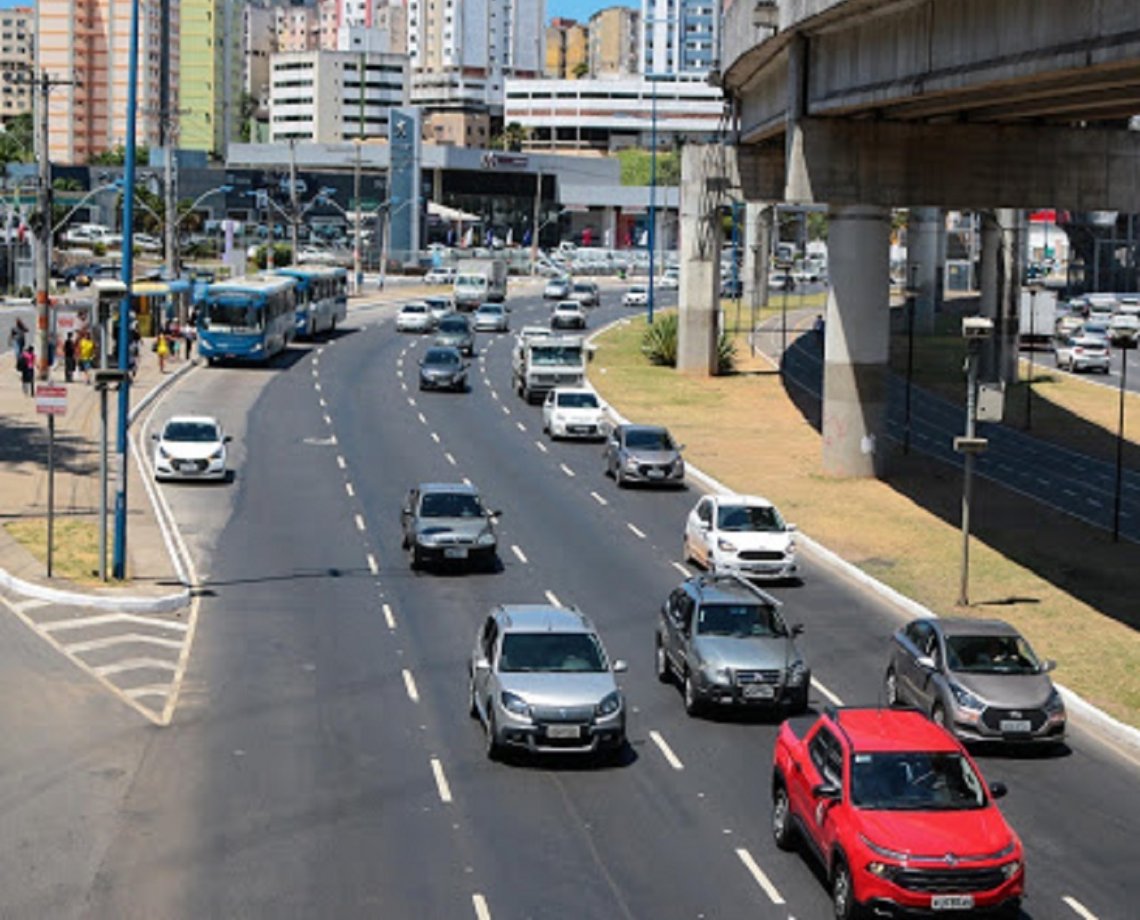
[(865, 105)]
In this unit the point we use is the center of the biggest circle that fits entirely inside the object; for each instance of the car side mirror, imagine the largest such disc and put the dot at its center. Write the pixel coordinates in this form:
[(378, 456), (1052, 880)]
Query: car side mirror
[(798, 629), (925, 661), (620, 666), (828, 791), (680, 447), (154, 437), (1048, 665), (482, 664), (495, 514), (227, 439), (790, 528), (998, 789)]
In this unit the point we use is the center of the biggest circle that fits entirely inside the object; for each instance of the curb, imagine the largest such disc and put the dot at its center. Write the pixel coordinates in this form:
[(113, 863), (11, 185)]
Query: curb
[(1078, 706)]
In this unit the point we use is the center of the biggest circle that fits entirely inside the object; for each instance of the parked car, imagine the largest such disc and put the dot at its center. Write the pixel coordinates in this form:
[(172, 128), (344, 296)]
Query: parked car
[(540, 681), (146, 242), (415, 317), (978, 678), (190, 447), (1081, 352), (726, 642), (455, 330), (443, 368), (567, 314), (573, 412), (636, 295), (643, 453), (440, 276), (490, 317), (744, 534), (585, 293), (897, 814), (447, 522), (556, 289)]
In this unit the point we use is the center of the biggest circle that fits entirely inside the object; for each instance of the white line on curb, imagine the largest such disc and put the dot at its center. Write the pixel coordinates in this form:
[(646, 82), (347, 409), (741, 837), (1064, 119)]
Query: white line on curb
[(673, 759), (410, 686), (761, 879), (519, 553), (440, 781)]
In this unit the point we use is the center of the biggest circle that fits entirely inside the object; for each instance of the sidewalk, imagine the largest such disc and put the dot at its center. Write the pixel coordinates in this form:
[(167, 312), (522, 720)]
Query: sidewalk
[(152, 582)]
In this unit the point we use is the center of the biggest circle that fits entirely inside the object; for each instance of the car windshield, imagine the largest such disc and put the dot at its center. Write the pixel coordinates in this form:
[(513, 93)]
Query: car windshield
[(991, 655), (494, 310), (915, 781), (441, 356), (556, 355), (551, 651), (648, 439), (451, 505), (453, 324), (1094, 329), (577, 401), (414, 308), (738, 620), (583, 288), (748, 518), (198, 432)]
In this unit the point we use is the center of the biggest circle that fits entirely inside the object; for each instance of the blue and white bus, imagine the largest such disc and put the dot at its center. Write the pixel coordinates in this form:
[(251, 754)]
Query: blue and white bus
[(247, 319), (322, 298)]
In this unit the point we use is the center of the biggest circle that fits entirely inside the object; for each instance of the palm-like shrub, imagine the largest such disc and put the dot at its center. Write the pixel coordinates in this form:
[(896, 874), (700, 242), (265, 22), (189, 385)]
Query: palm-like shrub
[(659, 344)]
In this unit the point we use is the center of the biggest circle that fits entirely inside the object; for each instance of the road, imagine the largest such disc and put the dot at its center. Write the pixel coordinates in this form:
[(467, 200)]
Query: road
[(321, 761)]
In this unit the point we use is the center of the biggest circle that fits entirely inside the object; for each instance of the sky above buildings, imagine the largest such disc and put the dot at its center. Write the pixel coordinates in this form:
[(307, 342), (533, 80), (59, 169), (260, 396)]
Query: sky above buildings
[(581, 10)]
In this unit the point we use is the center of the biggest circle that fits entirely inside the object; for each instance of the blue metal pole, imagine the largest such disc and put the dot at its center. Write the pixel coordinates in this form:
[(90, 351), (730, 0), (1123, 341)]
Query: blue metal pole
[(119, 551), (652, 238)]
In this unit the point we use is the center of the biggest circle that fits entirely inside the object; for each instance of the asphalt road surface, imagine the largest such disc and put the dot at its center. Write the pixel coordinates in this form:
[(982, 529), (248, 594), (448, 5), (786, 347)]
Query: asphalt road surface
[(322, 761)]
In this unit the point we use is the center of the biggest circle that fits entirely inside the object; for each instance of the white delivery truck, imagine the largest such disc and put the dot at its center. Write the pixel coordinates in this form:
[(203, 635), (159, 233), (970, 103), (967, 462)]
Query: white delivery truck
[(542, 361), (479, 281), (1037, 318)]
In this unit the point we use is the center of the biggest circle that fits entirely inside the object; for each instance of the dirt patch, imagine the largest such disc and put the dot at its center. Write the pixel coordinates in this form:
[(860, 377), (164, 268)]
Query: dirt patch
[(75, 555)]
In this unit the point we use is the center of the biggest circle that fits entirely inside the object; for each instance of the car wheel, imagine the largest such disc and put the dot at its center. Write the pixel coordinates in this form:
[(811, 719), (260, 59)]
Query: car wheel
[(692, 700), (783, 831), (619, 477), (842, 891), (686, 553), (491, 742), (938, 715), (661, 663), (800, 701), (891, 687), (415, 558)]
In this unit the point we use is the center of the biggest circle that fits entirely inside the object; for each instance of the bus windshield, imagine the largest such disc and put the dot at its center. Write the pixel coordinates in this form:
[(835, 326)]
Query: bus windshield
[(233, 315)]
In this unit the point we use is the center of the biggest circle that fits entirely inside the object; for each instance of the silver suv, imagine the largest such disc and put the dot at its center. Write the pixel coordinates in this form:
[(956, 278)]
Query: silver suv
[(540, 681), (447, 522), (725, 640)]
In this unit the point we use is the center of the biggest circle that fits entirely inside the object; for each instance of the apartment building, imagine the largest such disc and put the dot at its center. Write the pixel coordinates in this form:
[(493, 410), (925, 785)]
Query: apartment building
[(680, 37), (17, 55), (567, 50), (615, 42), (211, 51)]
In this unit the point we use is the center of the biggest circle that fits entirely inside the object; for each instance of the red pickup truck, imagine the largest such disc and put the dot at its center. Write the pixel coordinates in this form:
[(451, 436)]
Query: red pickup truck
[(897, 813)]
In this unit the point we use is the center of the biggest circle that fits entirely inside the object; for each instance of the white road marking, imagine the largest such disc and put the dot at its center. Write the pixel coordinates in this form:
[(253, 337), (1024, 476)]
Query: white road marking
[(316, 373), (680, 568), (757, 873), (466, 481), (596, 497), (81, 622), (78, 648), (159, 690), (540, 446), (404, 387), (673, 759), (1043, 482), (435, 437), (822, 689), (420, 416), (482, 911), (640, 534), (494, 395), (349, 489), (328, 421), (519, 554), (320, 351), (411, 402), (1078, 908), (136, 664), (389, 618), (360, 523), (410, 686), (340, 462), (400, 373), (30, 603), (565, 469), (440, 781), (520, 426), (1093, 501), (506, 411), (450, 459), (373, 565), (323, 404), (317, 387)]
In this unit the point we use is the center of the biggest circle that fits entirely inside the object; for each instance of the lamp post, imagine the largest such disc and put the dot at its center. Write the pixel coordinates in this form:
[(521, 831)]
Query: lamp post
[(911, 295), (975, 330), (652, 236), (1125, 346), (1032, 345)]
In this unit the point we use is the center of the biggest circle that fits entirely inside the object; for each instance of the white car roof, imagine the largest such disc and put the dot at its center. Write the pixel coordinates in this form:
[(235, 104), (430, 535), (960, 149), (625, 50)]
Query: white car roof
[(735, 499), (194, 419)]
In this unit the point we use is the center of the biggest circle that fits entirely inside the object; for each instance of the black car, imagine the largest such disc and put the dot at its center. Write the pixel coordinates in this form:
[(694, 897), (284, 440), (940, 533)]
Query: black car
[(443, 368), (83, 274)]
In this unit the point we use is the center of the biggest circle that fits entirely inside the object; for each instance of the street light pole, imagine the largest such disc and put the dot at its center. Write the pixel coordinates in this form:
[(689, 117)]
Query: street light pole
[(294, 217), (911, 295), (357, 270), (652, 238), (43, 255), (1032, 345), (975, 330), (1127, 344)]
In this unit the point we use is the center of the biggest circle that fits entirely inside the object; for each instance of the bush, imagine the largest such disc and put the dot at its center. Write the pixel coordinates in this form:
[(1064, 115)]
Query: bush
[(659, 343)]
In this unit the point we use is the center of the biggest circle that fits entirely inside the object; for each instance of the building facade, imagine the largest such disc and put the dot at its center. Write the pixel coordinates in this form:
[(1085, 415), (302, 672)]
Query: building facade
[(17, 55), (211, 49), (680, 38), (615, 42), (567, 50)]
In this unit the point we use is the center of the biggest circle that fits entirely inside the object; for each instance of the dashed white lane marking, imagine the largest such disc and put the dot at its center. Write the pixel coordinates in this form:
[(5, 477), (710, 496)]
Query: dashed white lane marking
[(466, 481), (78, 648), (340, 462), (662, 744), (540, 446), (135, 664), (440, 781), (1078, 908), (360, 523), (410, 686), (596, 497), (565, 469), (494, 395), (520, 555), (373, 565), (822, 689), (316, 373), (400, 373), (389, 618), (1043, 482), (420, 416), (349, 489), (404, 387), (450, 459), (761, 879), (520, 426), (81, 622), (328, 421), (482, 911), (506, 410), (317, 387), (1093, 502), (553, 598), (435, 437), (680, 568), (640, 534), (411, 402), (323, 404)]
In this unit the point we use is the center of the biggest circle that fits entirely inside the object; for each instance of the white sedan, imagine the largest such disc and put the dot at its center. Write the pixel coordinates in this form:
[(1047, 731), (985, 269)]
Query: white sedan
[(573, 412), (636, 295), (191, 447), (415, 317), (741, 534)]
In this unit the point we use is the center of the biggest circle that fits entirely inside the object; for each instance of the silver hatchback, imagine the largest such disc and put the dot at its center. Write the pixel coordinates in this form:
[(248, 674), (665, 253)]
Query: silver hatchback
[(540, 681)]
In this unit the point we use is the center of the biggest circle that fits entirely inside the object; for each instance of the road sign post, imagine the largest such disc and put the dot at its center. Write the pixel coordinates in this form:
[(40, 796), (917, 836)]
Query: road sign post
[(51, 401)]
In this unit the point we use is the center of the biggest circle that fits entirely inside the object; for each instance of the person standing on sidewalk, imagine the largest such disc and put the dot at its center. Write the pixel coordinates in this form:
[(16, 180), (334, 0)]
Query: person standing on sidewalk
[(18, 338), (86, 355), (69, 358), (27, 367), (162, 349)]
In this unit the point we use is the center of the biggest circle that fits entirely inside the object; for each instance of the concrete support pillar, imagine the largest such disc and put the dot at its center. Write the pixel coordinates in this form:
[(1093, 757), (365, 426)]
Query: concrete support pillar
[(702, 168), (1000, 291), (857, 341), (925, 265), (609, 227), (757, 246)]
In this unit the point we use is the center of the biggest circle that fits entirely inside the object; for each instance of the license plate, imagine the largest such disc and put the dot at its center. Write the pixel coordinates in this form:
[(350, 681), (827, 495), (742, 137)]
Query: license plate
[(563, 731), (759, 692), (656, 474), (580, 429), (1014, 725), (952, 902), (455, 552)]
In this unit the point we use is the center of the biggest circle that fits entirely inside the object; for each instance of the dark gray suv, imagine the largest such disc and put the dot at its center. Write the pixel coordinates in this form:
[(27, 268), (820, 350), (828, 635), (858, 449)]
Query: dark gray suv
[(727, 643)]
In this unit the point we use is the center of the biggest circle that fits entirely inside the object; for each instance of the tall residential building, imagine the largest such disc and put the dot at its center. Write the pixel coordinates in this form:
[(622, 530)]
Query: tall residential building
[(680, 37), (17, 55), (567, 50), (615, 42), (259, 42), (211, 75), (298, 28), (87, 41), (365, 25)]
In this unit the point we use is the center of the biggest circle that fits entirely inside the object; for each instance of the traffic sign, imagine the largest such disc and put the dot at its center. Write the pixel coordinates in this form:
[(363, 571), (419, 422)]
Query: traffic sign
[(51, 400)]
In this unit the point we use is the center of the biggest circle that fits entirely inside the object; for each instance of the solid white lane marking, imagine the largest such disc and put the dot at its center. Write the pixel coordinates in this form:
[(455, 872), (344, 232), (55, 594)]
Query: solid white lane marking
[(440, 781), (435, 437), (673, 759), (761, 879), (482, 911), (373, 565), (136, 664), (1078, 908), (822, 689), (328, 421), (410, 686), (680, 568), (340, 462), (520, 426), (349, 489), (420, 416), (519, 554), (389, 618), (540, 446), (640, 534), (359, 523), (553, 599), (596, 497), (450, 459), (565, 469), (81, 622), (78, 648)]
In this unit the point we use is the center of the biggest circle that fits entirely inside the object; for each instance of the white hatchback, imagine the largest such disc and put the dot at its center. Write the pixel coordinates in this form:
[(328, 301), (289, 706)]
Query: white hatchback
[(191, 447), (415, 317), (741, 534), (574, 412)]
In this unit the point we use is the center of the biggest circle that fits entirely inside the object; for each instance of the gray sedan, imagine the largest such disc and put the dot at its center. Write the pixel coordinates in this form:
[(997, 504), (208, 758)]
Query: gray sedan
[(540, 681), (644, 453), (447, 522), (978, 678), (443, 368)]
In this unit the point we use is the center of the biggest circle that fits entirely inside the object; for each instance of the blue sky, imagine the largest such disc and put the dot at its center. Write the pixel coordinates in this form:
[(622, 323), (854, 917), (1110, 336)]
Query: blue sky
[(582, 10)]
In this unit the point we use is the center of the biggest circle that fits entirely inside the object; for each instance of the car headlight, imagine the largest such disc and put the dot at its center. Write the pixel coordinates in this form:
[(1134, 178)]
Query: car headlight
[(791, 548), (515, 704), (726, 545), (677, 466), (486, 538), (630, 463), (427, 539), (610, 704), (162, 452), (1054, 705), (796, 673), (717, 675), (1010, 869), (966, 699), (219, 454)]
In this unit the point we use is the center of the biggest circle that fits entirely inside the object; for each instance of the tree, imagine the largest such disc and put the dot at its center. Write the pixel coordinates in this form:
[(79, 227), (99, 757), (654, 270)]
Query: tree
[(16, 140), (513, 137), (581, 70), (636, 167)]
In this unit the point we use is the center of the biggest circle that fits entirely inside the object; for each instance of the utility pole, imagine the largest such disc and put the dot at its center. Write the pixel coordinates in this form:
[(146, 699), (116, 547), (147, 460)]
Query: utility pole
[(534, 222), (357, 268), (294, 218)]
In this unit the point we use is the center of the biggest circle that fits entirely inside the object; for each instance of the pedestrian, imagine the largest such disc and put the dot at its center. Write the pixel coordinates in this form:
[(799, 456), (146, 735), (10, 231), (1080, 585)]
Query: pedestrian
[(69, 358), (86, 355), (162, 349), (27, 368), (18, 338)]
